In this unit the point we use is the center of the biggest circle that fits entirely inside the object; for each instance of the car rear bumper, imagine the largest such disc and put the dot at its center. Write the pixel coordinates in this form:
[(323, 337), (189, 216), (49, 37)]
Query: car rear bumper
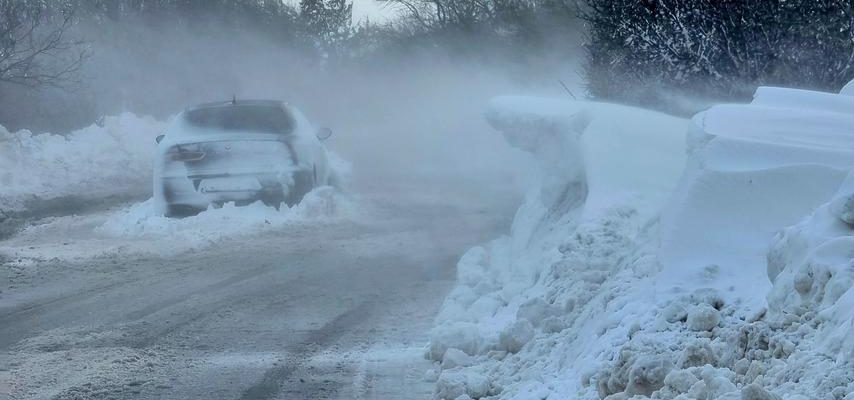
[(198, 192)]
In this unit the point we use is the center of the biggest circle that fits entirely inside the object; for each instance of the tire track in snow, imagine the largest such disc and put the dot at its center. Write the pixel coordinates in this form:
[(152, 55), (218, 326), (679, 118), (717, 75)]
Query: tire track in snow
[(222, 284), (12, 329), (271, 383)]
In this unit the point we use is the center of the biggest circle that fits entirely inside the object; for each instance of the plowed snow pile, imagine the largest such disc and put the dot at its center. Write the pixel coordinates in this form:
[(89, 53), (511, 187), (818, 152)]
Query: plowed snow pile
[(136, 229), (111, 157), (140, 221), (635, 271)]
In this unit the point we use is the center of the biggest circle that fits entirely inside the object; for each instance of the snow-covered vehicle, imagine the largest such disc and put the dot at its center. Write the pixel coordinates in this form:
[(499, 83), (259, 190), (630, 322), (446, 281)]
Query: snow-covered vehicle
[(238, 151)]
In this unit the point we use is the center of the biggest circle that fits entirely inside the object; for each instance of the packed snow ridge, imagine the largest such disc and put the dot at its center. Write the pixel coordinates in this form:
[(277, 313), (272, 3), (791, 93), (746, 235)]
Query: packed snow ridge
[(637, 269), (323, 204), (111, 157), (137, 229)]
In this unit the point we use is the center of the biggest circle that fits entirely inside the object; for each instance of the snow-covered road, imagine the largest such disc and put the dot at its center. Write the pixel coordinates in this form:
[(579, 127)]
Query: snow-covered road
[(333, 310)]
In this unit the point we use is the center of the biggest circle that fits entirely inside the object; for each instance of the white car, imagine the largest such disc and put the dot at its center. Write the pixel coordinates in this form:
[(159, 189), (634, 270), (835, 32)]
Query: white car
[(238, 151)]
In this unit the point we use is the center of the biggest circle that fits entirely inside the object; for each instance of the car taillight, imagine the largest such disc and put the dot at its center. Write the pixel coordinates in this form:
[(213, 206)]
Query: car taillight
[(186, 153)]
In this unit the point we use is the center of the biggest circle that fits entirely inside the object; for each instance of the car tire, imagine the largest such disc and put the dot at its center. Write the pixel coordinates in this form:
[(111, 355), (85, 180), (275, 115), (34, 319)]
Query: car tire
[(273, 196), (303, 183), (181, 211)]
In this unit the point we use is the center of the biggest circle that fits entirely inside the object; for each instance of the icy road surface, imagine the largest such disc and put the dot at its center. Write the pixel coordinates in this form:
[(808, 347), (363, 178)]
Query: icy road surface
[(335, 310)]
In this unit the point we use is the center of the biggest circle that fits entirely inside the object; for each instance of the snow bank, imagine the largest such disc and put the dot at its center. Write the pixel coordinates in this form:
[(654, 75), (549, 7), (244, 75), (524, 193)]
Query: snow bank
[(136, 229), (605, 172), (754, 170), (106, 158), (140, 220), (811, 265), (635, 269)]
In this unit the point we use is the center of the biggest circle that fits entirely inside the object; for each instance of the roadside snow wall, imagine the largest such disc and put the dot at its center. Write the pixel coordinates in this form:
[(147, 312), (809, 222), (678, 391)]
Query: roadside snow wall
[(529, 306), (754, 169), (112, 157), (636, 268)]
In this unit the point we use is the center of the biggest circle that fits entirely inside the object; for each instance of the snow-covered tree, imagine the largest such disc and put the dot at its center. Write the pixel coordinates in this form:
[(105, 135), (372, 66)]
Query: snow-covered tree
[(646, 51), (327, 23)]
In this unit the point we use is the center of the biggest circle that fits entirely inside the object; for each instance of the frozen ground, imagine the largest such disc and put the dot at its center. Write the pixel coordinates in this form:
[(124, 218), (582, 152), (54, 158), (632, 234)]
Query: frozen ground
[(325, 301), (664, 258)]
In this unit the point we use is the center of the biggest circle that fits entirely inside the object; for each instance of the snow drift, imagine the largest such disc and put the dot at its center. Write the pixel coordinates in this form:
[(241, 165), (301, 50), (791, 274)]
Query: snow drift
[(637, 269), (138, 229), (140, 220), (754, 169), (113, 156)]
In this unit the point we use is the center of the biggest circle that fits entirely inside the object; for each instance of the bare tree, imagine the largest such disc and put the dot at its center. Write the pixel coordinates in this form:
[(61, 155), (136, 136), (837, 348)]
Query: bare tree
[(467, 26), (35, 48)]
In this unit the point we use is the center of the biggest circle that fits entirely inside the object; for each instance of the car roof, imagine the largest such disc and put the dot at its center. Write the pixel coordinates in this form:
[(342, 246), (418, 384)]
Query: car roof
[(222, 104)]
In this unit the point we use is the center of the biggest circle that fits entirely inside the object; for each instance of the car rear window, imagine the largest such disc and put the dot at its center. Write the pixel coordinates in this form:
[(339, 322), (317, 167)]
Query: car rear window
[(266, 119)]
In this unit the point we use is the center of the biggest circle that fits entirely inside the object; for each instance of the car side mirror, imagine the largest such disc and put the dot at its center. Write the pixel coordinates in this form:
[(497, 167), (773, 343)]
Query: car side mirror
[(324, 133), (159, 138)]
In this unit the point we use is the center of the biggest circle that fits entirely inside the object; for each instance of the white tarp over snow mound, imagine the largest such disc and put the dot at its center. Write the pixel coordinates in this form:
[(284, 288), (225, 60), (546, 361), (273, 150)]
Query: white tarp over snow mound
[(632, 271), (107, 158)]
